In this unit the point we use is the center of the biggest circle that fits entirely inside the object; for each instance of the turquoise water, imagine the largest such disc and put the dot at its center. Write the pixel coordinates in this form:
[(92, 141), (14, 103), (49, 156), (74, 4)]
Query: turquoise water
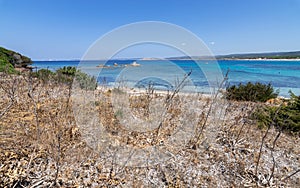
[(283, 75)]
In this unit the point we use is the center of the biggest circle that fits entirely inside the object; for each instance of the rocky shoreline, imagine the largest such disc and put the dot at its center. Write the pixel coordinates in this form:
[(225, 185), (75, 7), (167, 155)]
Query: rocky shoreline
[(19, 62), (116, 65)]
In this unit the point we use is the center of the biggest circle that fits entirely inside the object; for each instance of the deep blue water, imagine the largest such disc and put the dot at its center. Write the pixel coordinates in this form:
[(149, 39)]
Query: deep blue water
[(283, 75)]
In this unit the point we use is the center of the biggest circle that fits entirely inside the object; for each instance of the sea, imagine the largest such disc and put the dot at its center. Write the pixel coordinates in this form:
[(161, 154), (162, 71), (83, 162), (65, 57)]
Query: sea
[(201, 76)]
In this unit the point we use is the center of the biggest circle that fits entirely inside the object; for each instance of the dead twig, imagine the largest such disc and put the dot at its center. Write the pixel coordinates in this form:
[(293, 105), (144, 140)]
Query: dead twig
[(200, 132), (10, 88), (263, 139), (273, 159), (169, 100), (292, 174)]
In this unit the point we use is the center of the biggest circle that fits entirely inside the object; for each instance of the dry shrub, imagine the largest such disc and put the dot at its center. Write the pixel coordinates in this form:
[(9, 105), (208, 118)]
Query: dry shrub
[(40, 144)]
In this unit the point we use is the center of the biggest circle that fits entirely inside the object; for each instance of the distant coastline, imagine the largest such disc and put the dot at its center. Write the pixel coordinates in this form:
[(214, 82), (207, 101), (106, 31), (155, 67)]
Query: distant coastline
[(260, 59), (233, 59), (185, 59), (271, 56)]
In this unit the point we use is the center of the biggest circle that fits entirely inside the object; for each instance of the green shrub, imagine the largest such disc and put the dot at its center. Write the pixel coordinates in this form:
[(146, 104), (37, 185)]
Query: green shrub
[(6, 55), (257, 92), (10, 59), (66, 75), (44, 74), (85, 81), (284, 117), (6, 67), (70, 71)]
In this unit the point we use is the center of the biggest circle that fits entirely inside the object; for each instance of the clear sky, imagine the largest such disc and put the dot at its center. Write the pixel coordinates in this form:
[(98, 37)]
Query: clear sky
[(64, 29)]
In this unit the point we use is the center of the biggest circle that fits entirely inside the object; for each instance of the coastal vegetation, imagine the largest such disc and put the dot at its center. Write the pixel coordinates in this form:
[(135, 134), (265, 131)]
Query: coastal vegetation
[(66, 75), (255, 92), (41, 144), (284, 117), (12, 62)]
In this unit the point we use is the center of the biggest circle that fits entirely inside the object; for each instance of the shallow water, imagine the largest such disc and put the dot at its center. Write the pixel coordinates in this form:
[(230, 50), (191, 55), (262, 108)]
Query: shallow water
[(205, 75)]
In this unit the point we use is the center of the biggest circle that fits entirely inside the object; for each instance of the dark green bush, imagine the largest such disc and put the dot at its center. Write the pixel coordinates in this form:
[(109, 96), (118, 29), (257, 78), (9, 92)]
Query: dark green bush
[(85, 81), (257, 92), (44, 74), (6, 67), (284, 117), (66, 75), (70, 71), (10, 59)]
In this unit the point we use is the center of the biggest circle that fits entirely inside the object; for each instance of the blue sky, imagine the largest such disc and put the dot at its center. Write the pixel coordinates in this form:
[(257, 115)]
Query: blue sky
[(64, 29)]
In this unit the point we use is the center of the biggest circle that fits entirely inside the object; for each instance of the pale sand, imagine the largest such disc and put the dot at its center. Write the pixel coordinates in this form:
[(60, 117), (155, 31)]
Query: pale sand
[(258, 59), (141, 91)]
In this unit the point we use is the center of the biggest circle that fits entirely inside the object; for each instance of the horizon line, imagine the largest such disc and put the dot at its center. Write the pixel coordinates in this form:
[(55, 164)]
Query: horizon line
[(161, 58)]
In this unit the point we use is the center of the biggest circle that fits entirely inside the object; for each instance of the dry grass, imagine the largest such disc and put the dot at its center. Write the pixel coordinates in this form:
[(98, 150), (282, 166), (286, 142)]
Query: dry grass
[(41, 145)]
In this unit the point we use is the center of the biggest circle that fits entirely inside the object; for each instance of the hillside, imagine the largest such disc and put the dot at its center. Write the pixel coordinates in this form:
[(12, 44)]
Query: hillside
[(271, 55), (11, 61)]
